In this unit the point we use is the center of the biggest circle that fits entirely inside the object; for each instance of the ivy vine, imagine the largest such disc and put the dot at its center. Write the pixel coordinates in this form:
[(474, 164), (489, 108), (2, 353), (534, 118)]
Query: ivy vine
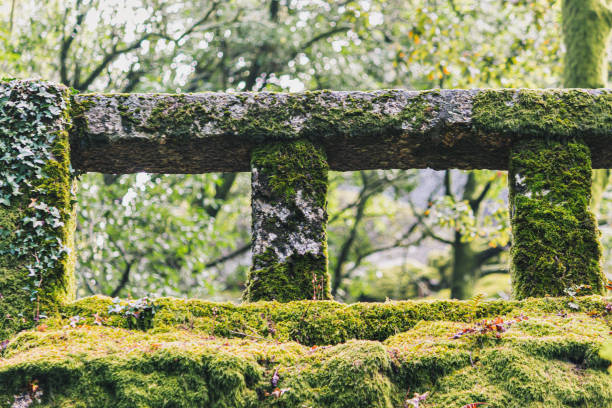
[(34, 174)]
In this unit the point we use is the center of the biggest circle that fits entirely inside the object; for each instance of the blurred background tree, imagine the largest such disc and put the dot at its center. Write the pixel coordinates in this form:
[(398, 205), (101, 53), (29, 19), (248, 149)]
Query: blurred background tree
[(392, 234)]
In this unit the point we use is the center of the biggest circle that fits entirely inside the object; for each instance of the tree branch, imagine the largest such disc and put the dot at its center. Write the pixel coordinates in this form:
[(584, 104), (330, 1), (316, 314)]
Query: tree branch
[(448, 191), (88, 286), (318, 38), (397, 244), (346, 245), (67, 42), (125, 277), (229, 256), (475, 203), (489, 253), (108, 58)]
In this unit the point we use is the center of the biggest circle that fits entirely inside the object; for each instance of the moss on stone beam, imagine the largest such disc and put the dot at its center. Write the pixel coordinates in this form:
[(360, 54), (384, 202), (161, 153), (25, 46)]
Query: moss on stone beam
[(548, 356), (555, 245), (208, 132), (289, 202)]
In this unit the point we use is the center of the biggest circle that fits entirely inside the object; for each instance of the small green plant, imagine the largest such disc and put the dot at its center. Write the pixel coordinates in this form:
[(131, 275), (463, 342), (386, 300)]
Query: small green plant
[(574, 291), (474, 303), (139, 312)]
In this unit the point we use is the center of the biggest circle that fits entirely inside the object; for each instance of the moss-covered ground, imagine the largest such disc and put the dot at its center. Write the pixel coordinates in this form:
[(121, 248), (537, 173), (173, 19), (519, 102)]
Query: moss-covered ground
[(544, 352)]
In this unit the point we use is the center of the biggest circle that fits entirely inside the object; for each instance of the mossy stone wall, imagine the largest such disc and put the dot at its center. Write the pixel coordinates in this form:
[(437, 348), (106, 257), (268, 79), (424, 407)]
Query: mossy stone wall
[(556, 246), (289, 210), (531, 354), (37, 217)]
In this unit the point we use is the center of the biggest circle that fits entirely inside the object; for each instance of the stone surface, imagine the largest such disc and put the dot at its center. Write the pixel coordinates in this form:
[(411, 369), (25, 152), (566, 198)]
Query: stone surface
[(208, 132)]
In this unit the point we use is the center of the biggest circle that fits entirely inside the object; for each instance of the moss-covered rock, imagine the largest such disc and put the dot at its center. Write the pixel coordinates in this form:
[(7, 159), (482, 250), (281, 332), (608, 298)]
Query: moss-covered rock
[(555, 246), (545, 355), (37, 218), (289, 201)]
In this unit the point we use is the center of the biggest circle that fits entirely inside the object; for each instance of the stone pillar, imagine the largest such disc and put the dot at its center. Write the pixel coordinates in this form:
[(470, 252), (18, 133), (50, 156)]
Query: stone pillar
[(288, 200), (555, 237), (37, 217)]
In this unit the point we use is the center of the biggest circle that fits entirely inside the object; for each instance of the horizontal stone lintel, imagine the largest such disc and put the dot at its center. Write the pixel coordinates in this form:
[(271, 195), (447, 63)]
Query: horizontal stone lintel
[(386, 129)]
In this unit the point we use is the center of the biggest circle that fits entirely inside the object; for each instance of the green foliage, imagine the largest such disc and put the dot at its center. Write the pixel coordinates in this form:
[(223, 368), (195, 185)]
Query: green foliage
[(158, 229), (457, 214), (36, 203), (556, 241)]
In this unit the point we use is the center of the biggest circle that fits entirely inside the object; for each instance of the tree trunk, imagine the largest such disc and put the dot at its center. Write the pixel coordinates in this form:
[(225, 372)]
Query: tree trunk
[(463, 275), (586, 31)]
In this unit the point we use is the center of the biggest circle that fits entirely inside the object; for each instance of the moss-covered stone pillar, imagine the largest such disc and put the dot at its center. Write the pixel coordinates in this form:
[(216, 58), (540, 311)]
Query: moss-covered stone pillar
[(555, 237), (289, 189), (37, 216)]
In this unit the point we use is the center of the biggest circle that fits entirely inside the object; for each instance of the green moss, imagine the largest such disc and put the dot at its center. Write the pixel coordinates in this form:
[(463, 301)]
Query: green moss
[(269, 118), (555, 238), (293, 167), (530, 113), (548, 360), (297, 277), (129, 120), (606, 353), (318, 322), (37, 218)]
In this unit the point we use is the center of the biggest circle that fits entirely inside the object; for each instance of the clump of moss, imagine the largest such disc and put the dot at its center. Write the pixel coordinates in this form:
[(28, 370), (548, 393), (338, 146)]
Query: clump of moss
[(289, 199), (606, 353), (556, 241), (556, 114), (268, 117), (297, 277), (292, 167)]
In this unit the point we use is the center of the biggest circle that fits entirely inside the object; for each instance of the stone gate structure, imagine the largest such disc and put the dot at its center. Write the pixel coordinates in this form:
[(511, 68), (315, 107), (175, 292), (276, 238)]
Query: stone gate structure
[(549, 140), (103, 352)]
